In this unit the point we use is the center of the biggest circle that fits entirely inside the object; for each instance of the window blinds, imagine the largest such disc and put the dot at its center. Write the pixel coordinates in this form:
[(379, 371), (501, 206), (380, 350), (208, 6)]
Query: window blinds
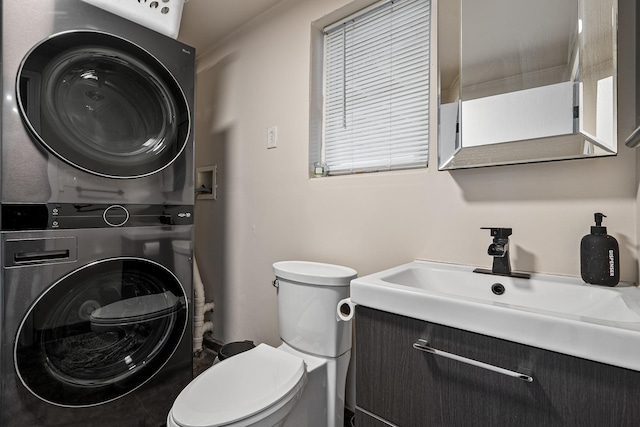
[(376, 108)]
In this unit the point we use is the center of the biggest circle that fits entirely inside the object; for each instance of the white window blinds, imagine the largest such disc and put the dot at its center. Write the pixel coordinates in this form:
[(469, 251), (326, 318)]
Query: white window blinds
[(376, 89)]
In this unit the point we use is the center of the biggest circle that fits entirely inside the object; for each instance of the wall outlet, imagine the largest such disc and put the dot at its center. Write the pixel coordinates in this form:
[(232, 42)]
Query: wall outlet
[(272, 137)]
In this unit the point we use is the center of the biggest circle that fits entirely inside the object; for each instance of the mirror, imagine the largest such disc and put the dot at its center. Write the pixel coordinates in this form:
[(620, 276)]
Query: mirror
[(525, 81)]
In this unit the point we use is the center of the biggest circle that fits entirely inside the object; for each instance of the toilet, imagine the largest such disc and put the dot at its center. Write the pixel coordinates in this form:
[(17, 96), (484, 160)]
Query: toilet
[(302, 382)]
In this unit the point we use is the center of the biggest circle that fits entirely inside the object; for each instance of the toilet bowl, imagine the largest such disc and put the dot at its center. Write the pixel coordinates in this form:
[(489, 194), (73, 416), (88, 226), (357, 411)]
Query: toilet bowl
[(302, 382)]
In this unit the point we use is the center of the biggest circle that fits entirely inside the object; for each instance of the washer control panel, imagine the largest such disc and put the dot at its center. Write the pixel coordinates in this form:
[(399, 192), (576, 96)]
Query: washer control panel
[(116, 215), (52, 216)]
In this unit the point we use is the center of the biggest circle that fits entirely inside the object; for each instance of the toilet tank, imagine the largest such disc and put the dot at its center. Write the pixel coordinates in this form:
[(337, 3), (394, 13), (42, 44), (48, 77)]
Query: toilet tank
[(308, 296)]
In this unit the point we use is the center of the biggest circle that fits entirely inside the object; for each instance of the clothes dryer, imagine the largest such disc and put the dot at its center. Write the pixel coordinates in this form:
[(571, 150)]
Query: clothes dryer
[(97, 109), (95, 321)]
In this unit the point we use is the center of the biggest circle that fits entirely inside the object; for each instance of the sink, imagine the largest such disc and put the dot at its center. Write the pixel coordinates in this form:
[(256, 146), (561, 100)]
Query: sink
[(554, 294), (558, 313)]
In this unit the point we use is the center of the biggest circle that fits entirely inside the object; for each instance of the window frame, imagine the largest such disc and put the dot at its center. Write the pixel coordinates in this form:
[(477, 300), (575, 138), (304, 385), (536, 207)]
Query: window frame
[(317, 142)]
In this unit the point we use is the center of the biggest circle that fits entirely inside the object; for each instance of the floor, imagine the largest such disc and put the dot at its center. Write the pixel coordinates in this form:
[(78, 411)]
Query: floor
[(203, 361), (349, 418)]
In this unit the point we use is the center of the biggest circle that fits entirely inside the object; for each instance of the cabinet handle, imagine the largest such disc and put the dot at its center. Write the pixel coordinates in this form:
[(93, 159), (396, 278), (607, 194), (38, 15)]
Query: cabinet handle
[(423, 345)]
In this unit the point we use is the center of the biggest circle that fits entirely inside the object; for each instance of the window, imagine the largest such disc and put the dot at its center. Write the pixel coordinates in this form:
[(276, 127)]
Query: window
[(376, 89)]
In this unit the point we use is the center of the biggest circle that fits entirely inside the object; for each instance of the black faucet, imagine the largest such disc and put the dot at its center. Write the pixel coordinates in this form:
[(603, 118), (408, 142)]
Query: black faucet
[(499, 250)]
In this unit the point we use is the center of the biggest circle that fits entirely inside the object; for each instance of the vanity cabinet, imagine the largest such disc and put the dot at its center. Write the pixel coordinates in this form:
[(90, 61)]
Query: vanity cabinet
[(399, 385)]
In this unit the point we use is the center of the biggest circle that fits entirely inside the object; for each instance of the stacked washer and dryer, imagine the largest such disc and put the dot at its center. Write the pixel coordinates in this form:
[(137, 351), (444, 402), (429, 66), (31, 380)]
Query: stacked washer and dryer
[(96, 209)]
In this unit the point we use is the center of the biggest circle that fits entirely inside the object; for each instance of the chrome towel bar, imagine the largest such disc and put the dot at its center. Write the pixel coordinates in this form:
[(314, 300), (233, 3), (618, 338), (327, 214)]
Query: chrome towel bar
[(423, 345)]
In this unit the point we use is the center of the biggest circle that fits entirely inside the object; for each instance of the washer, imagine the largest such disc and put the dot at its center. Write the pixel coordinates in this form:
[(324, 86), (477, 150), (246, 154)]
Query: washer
[(96, 321), (97, 109)]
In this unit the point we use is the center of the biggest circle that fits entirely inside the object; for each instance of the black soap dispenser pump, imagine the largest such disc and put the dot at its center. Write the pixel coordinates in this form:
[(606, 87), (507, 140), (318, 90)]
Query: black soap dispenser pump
[(599, 256)]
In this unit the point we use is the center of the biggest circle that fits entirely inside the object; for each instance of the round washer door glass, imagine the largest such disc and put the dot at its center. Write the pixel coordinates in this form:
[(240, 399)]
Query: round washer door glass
[(100, 332), (103, 104)]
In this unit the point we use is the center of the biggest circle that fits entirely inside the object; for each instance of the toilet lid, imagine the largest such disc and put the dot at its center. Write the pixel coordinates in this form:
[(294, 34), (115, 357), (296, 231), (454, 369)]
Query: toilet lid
[(314, 273), (238, 387)]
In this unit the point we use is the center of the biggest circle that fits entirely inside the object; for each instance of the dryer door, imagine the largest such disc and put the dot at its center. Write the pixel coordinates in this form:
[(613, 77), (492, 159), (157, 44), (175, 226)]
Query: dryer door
[(100, 332), (103, 104)]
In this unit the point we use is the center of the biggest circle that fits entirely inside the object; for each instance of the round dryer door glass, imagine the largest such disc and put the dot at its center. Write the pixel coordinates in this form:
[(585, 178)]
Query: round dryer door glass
[(100, 332), (103, 104)]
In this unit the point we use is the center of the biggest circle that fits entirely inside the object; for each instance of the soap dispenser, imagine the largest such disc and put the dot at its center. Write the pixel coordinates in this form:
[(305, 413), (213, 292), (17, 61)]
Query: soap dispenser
[(599, 256)]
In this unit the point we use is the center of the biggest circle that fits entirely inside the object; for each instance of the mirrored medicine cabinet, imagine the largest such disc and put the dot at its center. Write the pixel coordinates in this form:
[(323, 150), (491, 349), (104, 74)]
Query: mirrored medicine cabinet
[(525, 81)]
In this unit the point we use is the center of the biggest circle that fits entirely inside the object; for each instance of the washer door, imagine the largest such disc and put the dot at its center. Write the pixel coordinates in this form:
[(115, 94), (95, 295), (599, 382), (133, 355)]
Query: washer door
[(100, 332), (103, 104)]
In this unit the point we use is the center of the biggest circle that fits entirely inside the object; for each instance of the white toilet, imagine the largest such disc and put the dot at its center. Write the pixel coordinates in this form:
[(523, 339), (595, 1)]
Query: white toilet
[(299, 384)]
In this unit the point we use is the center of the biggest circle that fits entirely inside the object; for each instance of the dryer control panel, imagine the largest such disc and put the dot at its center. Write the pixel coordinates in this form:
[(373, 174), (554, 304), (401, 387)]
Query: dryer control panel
[(52, 216)]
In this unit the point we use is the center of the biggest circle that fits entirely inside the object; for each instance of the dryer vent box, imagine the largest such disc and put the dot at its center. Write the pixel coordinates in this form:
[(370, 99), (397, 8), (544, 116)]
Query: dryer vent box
[(162, 16)]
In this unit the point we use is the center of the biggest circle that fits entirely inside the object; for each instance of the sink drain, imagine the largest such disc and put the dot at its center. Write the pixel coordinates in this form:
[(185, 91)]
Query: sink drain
[(497, 288)]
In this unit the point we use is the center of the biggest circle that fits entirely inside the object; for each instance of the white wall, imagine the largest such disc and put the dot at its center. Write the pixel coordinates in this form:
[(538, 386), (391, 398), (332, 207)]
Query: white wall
[(269, 210)]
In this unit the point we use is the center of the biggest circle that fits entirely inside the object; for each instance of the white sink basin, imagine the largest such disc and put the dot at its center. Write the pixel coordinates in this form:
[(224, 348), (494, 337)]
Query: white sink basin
[(558, 313)]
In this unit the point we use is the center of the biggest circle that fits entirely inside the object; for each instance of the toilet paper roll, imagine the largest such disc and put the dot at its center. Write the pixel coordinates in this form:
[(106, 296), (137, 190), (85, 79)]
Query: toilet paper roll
[(346, 309), (151, 248)]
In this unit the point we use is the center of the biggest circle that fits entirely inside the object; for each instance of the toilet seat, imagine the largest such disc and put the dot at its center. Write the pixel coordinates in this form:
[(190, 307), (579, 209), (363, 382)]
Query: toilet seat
[(257, 383)]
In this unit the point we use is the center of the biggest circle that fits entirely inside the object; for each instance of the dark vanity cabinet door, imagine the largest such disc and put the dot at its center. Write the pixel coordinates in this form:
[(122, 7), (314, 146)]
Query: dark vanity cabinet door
[(411, 388)]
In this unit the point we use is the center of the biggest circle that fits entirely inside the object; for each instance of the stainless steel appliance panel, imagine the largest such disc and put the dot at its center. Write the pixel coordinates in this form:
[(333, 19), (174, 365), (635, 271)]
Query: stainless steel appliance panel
[(36, 265), (30, 170)]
